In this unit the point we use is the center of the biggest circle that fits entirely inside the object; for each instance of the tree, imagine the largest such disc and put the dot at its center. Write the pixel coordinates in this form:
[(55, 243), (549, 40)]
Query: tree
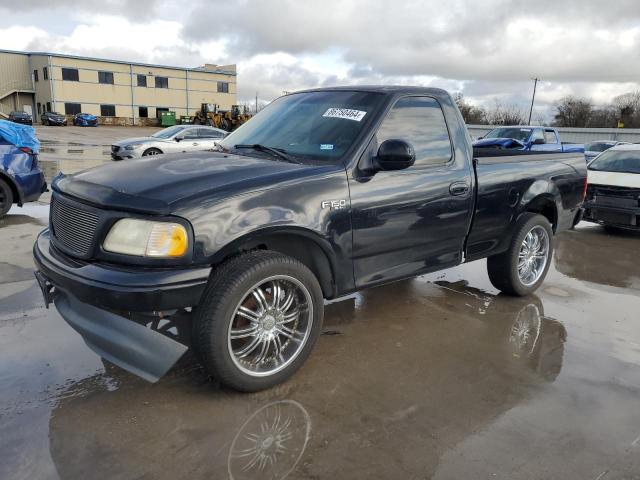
[(505, 115), (472, 115), (628, 108), (604, 117), (573, 112)]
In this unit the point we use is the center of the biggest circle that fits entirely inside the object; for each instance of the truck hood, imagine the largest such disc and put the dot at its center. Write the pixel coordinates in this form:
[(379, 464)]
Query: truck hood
[(509, 143), (157, 184)]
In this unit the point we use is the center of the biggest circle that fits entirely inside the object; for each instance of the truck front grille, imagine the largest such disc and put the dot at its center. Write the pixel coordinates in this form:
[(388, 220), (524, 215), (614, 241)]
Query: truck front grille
[(74, 227)]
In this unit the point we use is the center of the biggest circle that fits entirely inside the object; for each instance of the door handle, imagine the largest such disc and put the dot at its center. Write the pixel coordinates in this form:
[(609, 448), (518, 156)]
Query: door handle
[(195, 144), (459, 188)]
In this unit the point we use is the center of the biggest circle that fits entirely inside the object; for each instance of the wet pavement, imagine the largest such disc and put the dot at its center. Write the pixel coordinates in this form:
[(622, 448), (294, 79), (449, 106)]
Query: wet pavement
[(438, 377)]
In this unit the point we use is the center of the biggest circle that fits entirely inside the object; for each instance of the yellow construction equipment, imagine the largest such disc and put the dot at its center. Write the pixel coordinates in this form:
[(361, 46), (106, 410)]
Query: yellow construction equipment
[(211, 114)]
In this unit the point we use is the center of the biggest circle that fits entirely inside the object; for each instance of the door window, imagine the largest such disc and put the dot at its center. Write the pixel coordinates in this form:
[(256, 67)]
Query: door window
[(420, 122), (537, 135), (190, 134), (209, 133), (550, 136)]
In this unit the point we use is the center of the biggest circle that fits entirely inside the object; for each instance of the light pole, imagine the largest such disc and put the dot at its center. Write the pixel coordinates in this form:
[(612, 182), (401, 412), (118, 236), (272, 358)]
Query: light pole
[(533, 98)]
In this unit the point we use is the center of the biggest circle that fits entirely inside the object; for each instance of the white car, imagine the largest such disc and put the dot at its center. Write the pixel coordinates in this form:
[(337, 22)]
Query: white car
[(176, 139), (593, 149), (613, 194)]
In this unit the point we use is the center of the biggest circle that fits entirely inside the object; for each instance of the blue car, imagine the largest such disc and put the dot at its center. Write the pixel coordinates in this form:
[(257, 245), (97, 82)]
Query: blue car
[(21, 178), (85, 120)]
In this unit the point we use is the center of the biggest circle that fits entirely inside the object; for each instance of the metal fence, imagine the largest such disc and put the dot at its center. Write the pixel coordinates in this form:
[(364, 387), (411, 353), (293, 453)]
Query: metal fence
[(576, 135)]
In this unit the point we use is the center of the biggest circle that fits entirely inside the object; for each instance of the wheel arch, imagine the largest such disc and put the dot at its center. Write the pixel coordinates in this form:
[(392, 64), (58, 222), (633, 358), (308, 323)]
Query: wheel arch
[(152, 148), (15, 188), (545, 205), (305, 246)]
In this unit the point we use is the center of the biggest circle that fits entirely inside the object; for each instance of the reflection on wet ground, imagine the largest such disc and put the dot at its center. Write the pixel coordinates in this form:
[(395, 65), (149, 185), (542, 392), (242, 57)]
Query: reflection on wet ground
[(72, 149), (437, 377)]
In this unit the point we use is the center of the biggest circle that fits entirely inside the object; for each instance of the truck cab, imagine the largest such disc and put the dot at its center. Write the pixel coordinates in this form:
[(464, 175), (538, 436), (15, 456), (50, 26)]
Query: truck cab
[(526, 138)]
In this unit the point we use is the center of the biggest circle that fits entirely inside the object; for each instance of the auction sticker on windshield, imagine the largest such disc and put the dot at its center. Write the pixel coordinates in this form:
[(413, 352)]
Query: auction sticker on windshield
[(345, 113)]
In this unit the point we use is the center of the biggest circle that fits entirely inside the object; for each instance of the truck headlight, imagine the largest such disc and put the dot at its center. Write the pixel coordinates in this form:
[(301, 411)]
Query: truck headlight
[(145, 238), (133, 146)]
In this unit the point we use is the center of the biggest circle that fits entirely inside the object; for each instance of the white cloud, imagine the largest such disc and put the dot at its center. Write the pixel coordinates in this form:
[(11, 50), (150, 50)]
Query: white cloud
[(18, 37)]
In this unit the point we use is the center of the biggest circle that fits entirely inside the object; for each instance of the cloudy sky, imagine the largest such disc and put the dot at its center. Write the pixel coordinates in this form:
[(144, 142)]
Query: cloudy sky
[(487, 49)]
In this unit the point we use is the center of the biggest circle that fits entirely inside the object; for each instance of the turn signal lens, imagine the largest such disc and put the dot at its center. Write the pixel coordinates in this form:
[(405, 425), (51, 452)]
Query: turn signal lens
[(144, 238)]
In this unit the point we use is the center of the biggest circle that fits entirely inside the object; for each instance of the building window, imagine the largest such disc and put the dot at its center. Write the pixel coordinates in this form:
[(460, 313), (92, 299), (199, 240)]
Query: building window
[(162, 82), (70, 108), (143, 112), (35, 75), (160, 110), (70, 74), (105, 77), (142, 80), (39, 105), (223, 87), (45, 73), (48, 106), (107, 110)]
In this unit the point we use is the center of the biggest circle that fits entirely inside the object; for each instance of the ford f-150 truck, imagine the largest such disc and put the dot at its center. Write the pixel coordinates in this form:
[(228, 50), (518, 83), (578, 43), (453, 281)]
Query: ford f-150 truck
[(323, 193), (528, 139)]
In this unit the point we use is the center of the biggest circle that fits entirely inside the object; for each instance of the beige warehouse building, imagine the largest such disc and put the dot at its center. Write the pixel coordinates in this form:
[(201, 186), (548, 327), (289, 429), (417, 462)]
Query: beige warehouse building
[(117, 92)]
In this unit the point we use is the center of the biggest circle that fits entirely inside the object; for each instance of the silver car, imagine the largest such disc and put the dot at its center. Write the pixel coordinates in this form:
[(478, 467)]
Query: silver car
[(593, 149), (179, 138)]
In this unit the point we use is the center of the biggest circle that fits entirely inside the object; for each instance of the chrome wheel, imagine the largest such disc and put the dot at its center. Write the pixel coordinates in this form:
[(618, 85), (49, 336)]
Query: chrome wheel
[(270, 326), (533, 255)]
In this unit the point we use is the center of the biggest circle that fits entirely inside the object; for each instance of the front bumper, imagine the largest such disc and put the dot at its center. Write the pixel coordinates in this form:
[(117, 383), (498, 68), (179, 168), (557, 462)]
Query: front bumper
[(132, 289), (101, 303), (610, 215)]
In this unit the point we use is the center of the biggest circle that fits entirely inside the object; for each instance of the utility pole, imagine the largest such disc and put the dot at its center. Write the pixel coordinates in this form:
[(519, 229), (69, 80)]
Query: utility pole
[(256, 102), (533, 98)]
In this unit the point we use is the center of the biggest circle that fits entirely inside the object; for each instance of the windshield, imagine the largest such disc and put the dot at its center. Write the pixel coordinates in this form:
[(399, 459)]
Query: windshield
[(622, 161), (517, 133), (168, 132), (319, 125), (597, 147)]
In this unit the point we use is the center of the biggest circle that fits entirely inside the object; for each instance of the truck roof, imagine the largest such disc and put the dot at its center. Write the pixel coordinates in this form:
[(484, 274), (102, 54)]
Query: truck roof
[(387, 89)]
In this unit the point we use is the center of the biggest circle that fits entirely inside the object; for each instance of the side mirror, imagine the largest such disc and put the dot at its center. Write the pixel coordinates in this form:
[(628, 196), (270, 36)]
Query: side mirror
[(538, 141), (179, 138), (395, 155)]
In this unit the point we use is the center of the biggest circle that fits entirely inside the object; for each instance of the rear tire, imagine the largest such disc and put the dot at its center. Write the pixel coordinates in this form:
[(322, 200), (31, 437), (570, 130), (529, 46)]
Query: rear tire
[(523, 267), (252, 300), (6, 198)]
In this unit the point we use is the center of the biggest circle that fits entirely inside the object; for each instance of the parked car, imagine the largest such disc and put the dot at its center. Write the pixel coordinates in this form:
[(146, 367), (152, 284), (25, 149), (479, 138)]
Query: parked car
[(613, 195), (20, 117), (53, 118), (535, 139), (593, 149), (323, 193), (21, 178), (85, 120), (179, 138)]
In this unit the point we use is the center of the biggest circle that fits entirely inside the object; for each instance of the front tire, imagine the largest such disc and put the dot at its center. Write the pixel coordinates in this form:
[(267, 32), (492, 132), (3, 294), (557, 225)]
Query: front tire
[(6, 198), (522, 268), (151, 151), (259, 319)]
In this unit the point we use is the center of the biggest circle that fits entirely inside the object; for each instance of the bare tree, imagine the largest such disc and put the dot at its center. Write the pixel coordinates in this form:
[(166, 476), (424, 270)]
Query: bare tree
[(573, 112), (505, 115), (604, 117), (472, 115), (628, 107)]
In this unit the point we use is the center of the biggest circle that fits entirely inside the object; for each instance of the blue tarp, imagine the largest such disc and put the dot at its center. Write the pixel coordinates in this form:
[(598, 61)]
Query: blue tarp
[(19, 135)]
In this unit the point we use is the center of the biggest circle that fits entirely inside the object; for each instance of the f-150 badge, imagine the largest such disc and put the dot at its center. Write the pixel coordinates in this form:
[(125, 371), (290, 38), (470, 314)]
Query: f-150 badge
[(334, 204)]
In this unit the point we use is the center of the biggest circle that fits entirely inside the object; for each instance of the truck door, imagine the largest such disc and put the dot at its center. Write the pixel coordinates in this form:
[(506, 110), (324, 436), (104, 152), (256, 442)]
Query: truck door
[(411, 221)]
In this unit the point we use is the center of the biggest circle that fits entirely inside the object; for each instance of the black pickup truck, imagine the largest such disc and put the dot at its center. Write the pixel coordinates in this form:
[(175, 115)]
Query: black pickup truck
[(323, 193)]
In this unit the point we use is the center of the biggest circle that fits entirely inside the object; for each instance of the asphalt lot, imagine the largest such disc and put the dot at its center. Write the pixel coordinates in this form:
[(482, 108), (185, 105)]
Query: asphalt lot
[(437, 377)]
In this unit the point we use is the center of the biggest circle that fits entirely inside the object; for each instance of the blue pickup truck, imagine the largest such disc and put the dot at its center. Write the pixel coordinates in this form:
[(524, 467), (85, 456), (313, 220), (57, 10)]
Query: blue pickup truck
[(527, 138), (21, 178)]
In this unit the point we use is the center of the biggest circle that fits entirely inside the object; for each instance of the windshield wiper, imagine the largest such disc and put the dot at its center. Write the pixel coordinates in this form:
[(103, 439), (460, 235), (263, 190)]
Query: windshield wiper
[(276, 152)]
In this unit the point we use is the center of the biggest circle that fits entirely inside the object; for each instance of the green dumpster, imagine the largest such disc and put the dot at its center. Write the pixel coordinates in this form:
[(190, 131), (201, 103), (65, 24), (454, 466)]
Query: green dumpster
[(167, 119)]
